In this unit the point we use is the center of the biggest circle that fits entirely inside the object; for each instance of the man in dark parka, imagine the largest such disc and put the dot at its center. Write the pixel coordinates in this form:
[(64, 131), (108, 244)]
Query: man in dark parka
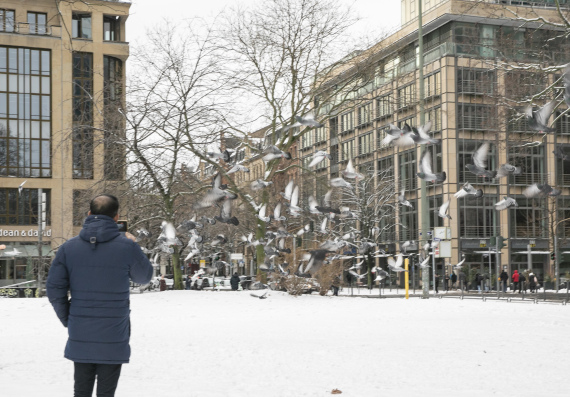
[(234, 282), (95, 267)]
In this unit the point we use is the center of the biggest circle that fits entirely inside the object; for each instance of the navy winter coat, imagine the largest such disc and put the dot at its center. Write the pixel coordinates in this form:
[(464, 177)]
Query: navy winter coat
[(96, 267)]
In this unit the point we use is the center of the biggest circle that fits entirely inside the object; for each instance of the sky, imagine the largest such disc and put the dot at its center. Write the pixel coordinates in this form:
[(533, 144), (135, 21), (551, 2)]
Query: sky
[(376, 15)]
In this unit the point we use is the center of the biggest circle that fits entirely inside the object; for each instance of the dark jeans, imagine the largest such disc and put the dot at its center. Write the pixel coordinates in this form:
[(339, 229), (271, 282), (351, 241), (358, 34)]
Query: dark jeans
[(335, 290), (107, 379)]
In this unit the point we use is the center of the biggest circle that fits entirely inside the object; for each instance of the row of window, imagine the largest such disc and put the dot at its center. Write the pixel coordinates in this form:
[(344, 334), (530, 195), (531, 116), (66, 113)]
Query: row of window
[(81, 24), (21, 209)]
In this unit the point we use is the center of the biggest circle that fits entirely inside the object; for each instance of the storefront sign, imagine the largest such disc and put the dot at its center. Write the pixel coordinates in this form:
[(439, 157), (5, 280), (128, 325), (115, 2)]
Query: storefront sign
[(23, 233)]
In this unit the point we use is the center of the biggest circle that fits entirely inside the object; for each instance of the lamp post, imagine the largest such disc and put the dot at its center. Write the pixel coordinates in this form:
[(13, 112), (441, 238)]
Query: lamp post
[(556, 260)]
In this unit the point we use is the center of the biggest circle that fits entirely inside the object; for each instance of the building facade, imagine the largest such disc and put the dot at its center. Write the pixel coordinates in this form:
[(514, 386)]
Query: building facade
[(61, 79), (476, 81)]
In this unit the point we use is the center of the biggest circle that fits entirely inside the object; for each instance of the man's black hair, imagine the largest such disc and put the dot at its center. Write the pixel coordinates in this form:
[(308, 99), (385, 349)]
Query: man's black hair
[(105, 204)]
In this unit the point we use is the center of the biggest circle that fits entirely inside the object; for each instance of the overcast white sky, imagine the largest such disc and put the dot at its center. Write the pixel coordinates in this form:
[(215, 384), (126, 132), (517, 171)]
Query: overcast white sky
[(377, 15)]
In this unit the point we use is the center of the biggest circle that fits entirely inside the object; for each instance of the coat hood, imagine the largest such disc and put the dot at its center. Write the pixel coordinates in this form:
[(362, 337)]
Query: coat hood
[(99, 229)]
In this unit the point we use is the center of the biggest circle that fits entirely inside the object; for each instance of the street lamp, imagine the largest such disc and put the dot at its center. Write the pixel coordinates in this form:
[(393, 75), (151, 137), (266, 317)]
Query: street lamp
[(556, 256)]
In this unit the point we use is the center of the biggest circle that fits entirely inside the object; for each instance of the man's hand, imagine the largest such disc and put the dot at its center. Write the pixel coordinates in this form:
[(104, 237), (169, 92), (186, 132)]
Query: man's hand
[(130, 237)]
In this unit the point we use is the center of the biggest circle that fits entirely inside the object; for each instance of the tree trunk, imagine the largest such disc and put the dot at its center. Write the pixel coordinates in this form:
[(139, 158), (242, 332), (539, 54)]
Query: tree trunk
[(176, 269)]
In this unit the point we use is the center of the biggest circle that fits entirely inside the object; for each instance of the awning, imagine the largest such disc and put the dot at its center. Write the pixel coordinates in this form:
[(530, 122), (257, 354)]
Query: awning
[(26, 251), (533, 252)]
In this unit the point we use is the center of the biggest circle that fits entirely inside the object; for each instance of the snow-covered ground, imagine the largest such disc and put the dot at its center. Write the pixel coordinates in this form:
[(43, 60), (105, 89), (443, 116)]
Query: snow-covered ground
[(191, 343)]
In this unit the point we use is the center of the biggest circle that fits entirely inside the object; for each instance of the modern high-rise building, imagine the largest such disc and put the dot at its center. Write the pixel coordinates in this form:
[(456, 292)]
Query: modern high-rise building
[(484, 61), (61, 83)]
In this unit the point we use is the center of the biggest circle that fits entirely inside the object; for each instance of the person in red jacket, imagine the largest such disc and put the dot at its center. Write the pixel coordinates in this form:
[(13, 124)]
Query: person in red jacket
[(516, 281)]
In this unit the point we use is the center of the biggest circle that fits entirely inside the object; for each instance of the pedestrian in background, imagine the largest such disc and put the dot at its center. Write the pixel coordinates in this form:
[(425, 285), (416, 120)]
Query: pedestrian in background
[(436, 283), (532, 282), (463, 281), (96, 268), (335, 285), (453, 280), (162, 283), (446, 285), (516, 280), (234, 282), (188, 282), (522, 285), (504, 278)]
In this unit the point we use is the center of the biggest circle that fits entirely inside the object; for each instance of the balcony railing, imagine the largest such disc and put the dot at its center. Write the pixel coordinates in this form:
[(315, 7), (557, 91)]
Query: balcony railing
[(34, 29), (479, 231)]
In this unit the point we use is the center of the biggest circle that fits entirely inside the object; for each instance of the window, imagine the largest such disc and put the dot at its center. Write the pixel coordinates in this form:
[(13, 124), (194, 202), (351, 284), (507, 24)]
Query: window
[(82, 115), (434, 115), (81, 26), (532, 162), (320, 135), (365, 114), (476, 81), (111, 28), (22, 209), (434, 219), (408, 170), (529, 219), (37, 22), (306, 161), (476, 117), (386, 168), (114, 168), (406, 96), (347, 150), (432, 84), (465, 150), (563, 207), (365, 144), (384, 106), (307, 139), (25, 112), (521, 85), (409, 221), (478, 217), (380, 135), (562, 125), (333, 127), (563, 168), (347, 122), (81, 199), (7, 22)]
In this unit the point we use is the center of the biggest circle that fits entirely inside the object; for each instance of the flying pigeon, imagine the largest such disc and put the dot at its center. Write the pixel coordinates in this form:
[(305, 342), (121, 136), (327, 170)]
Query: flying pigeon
[(288, 190), (318, 157), (443, 210), (261, 215), (259, 184), (219, 240), (21, 187), (505, 203), (535, 190), (479, 160), (277, 213), (396, 265), (424, 263), (226, 214), (309, 121), (225, 155), (260, 296), (303, 230), (467, 190), (316, 260), (358, 276), (237, 168), (350, 172), (402, 199), (272, 152), (400, 138), (458, 266), (340, 182), (421, 136), (537, 120), (381, 274), (426, 172), (294, 208), (507, 169)]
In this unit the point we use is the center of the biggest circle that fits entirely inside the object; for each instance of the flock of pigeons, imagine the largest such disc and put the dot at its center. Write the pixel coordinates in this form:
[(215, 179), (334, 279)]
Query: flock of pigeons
[(275, 240)]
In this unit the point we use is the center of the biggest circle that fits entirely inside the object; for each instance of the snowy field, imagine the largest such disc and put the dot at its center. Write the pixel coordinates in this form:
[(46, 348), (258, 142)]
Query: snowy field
[(190, 343)]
